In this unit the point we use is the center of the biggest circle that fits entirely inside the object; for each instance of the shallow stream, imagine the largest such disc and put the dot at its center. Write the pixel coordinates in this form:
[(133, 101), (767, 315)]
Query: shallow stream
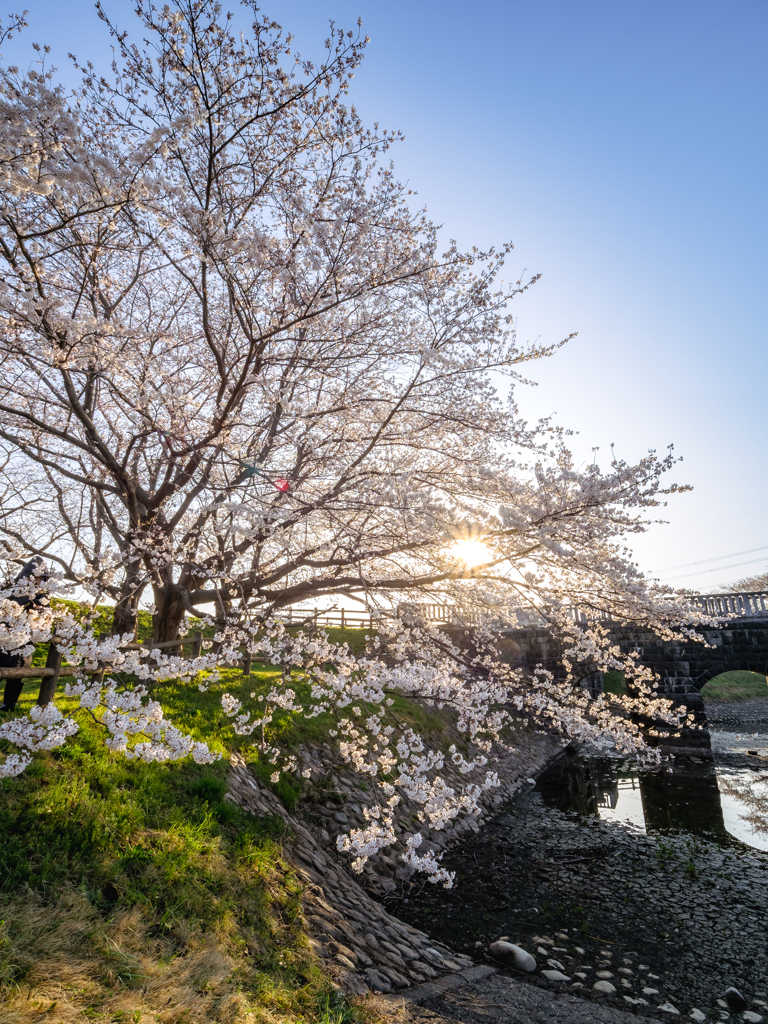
[(659, 878)]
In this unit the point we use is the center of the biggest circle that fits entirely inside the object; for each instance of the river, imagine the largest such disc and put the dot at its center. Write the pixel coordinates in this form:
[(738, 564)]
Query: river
[(658, 879)]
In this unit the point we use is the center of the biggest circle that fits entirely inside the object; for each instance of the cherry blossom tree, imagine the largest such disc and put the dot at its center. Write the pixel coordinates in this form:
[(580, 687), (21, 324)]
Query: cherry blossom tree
[(241, 373)]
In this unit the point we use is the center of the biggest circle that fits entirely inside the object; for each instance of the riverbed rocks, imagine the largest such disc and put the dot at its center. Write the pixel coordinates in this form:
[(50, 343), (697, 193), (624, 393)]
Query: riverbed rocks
[(512, 955), (735, 999), (666, 919), (604, 988)]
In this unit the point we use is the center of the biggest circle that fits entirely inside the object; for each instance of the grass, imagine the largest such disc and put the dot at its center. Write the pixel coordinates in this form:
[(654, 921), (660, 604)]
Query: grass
[(136, 892), (736, 686), (613, 682)]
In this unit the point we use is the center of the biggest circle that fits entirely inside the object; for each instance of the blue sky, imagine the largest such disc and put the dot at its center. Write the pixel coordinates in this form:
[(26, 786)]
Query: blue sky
[(622, 147)]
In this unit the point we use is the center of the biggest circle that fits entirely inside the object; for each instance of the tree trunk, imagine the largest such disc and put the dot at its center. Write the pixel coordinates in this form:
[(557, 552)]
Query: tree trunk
[(168, 617), (126, 617)]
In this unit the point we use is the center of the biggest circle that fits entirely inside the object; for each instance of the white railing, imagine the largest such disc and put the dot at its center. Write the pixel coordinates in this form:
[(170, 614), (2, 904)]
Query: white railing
[(744, 605), (749, 604)]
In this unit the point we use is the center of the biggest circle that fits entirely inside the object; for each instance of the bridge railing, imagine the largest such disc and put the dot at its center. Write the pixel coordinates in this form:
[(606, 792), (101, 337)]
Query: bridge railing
[(742, 604), (746, 604)]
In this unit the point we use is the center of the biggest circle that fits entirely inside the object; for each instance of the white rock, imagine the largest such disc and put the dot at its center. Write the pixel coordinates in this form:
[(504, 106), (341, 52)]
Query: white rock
[(604, 974), (556, 964), (580, 974), (542, 950), (636, 1002), (625, 970), (752, 1017), (697, 1015), (579, 950), (555, 976), (668, 1008), (513, 955), (650, 991), (605, 988)]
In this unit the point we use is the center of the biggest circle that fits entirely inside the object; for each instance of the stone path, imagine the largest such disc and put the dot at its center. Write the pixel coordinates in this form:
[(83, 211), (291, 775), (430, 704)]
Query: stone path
[(499, 999)]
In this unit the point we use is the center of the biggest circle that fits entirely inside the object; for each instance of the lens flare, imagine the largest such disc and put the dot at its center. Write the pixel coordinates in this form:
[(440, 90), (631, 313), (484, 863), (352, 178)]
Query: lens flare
[(471, 552)]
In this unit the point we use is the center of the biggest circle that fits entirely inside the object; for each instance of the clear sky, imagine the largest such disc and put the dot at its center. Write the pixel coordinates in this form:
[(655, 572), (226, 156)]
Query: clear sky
[(622, 147)]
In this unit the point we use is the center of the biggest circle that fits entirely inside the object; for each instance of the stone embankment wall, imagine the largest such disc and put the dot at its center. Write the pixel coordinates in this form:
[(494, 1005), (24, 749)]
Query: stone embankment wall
[(365, 947)]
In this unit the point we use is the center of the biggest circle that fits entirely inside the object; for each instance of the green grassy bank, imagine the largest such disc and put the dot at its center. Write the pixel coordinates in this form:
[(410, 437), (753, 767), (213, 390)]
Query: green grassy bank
[(135, 892), (736, 686)]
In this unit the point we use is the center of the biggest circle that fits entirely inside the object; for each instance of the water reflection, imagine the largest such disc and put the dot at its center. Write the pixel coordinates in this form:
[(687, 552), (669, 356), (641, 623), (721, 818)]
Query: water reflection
[(714, 800)]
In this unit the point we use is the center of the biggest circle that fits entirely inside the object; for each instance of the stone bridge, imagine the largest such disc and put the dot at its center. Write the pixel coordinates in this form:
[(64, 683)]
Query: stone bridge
[(683, 667)]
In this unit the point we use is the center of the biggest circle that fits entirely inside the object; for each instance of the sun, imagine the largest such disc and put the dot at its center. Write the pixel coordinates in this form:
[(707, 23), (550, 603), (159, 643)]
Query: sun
[(471, 552)]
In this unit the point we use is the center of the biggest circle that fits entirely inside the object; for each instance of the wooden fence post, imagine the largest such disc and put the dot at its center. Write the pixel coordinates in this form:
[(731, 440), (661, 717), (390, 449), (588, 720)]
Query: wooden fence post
[(247, 658), (197, 643), (342, 618), (49, 683)]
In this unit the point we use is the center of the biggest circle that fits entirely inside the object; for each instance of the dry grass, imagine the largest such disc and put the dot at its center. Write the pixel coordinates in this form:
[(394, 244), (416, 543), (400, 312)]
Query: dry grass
[(64, 964)]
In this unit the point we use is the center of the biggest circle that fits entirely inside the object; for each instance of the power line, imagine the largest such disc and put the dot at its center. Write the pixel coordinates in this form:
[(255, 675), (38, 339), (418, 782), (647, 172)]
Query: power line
[(720, 568), (718, 558), (740, 515)]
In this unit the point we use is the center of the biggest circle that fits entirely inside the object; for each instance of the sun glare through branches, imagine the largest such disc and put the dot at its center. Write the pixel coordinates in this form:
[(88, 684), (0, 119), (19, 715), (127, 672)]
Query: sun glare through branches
[(471, 552)]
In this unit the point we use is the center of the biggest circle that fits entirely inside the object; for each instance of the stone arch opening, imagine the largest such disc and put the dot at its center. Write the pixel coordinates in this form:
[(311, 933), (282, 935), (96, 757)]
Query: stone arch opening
[(759, 666)]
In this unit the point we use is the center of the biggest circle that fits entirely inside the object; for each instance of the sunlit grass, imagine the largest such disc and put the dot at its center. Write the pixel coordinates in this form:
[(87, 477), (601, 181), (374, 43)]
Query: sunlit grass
[(736, 686), (129, 888)]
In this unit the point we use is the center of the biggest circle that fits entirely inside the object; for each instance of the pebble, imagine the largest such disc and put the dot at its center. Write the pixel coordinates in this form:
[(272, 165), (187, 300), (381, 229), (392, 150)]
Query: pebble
[(697, 1015), (513, 955), (752, 1017), (604, 974), (735, 999), (558, 976), (605, 988), (650, 991), (668, 1008)]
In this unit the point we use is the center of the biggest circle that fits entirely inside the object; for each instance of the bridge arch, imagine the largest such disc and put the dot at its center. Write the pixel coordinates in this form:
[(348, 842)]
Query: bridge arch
[(758, 665)]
